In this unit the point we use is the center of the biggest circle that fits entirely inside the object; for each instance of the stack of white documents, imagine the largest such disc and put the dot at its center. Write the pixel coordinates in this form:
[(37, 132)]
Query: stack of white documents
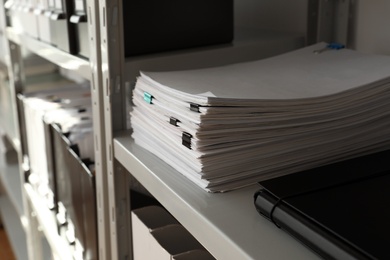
[(231, 126)]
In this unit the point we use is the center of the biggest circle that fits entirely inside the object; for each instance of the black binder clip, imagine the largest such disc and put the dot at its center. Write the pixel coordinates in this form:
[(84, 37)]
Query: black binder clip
[(186, 139), (173, 121), (194, 107)]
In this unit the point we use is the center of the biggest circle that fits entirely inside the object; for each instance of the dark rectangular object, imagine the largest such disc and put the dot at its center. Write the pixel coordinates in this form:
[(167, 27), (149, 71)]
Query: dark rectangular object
[(51, 198), (23, 130), (61, 29), (157, 26), (76, 193), (79, 20), (339, 210)]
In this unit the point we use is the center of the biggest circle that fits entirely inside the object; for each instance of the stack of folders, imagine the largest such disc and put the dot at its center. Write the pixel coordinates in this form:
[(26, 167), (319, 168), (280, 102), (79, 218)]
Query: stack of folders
[(70, 108), (231, 126)]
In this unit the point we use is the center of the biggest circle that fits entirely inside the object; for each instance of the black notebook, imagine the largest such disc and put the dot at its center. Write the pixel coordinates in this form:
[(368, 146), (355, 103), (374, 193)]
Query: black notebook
[(341, 211)]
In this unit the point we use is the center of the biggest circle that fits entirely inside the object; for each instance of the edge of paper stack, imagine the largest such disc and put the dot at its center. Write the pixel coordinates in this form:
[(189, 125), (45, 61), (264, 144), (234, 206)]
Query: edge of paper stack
[(232, 126)]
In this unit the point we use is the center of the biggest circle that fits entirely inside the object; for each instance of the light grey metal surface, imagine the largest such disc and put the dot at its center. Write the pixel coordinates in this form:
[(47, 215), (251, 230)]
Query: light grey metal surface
[(15, 86), (112, 55), (104, 246), (52, 54), (47, 222), (227, 224), (8, 113), (14, 228), (9, 176)]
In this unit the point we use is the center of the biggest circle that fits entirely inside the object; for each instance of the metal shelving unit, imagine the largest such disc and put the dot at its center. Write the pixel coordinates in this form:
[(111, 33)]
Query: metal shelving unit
[(109, 73), (207, 216), (226, 224), (31, 208)]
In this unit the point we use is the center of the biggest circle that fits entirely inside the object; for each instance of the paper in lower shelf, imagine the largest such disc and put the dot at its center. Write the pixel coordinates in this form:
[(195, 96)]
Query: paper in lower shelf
[(266, 118)]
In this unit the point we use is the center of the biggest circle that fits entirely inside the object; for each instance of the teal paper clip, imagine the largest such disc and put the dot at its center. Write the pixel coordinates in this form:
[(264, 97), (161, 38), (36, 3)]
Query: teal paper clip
[(148, 98)]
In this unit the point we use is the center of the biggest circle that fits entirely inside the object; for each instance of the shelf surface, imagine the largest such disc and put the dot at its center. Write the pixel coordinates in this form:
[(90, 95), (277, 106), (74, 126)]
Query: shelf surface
[(47, 222), (14, 228), (248, 44), (51, 53), (227, 224), (10, 177)]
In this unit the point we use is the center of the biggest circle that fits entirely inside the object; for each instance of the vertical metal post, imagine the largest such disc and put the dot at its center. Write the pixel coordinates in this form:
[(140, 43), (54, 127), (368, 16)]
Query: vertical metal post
[(122, 204), (112, 54), (104, 245), (16, 77), (328, 20)]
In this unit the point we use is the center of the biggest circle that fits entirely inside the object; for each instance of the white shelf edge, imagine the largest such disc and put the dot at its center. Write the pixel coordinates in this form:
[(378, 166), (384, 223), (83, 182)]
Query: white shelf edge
[(10, 177), (14, 228), (51, 53), (47, 222), (227, 224)]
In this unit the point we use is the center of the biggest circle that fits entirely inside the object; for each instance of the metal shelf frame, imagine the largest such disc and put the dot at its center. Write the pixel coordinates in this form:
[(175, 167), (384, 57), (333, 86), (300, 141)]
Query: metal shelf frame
[(113, 85), (35, 216), (226, 224)]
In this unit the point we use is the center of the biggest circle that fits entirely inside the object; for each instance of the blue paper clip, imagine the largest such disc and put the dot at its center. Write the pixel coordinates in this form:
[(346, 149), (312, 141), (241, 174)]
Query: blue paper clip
[(148, 98), (331, 46)]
